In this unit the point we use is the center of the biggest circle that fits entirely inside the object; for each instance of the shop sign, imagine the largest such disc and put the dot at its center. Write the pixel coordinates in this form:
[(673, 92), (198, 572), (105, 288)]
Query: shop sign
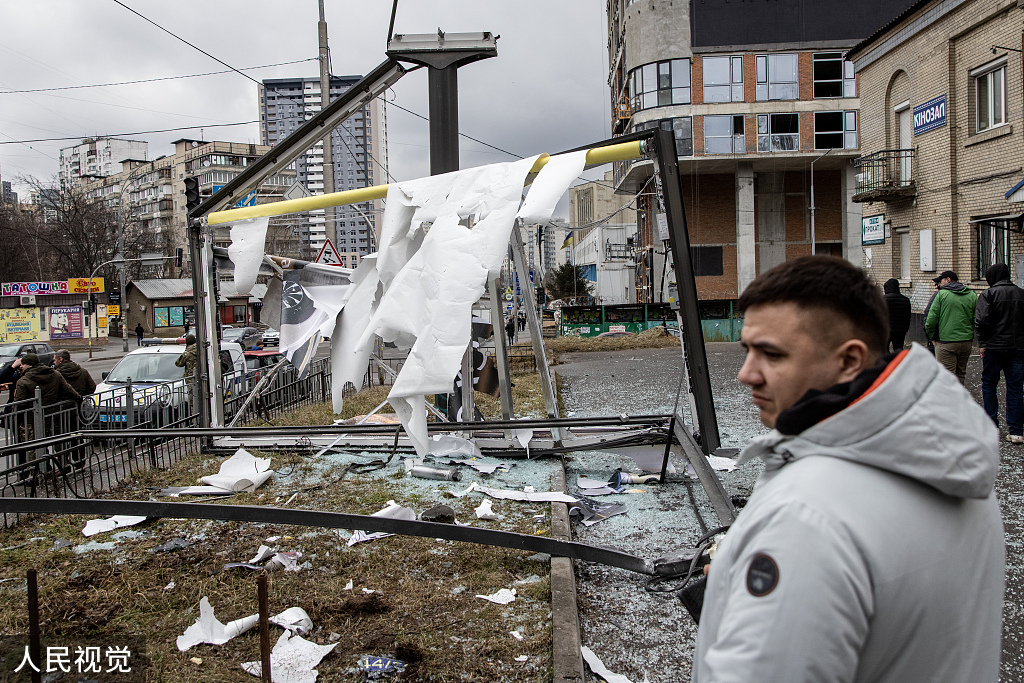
[(65, 322), (930, 115), (80, 285), (25, 288), (873, 230)]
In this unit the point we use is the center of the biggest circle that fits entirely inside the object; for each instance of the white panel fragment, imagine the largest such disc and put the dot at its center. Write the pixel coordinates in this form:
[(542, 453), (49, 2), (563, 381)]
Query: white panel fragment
[(208, 629), (293, 619), (293, 660), (502, 597), (241, 472), (248, 239), (99, 526), (594, 662), (484, 511)]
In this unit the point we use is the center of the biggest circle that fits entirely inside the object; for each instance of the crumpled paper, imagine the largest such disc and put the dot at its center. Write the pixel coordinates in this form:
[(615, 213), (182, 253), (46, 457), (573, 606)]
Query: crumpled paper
[(292, 660), (293, 619), (99, 526), (446, 444), (502, 597), (392, 511)]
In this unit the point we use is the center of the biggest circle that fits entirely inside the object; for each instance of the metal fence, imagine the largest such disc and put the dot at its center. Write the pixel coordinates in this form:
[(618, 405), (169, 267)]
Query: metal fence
[(98, 453)]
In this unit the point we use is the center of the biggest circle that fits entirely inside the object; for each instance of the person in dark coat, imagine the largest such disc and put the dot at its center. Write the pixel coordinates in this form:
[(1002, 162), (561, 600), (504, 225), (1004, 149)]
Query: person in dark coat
[(53, 388), (139, 331), (77, 376), (9, 377), (899, 314), (999, 320), (510, 330)]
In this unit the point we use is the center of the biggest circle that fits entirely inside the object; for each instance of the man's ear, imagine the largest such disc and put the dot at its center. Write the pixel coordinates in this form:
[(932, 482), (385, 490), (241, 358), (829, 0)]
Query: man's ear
[(853, 357)]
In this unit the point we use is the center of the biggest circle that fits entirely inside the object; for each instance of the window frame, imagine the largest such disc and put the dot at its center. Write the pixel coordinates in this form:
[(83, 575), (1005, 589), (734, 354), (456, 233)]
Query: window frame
[(682, 151), (995, 239), (847, 75), (679, 79), (734, 86), (736, 138), (763, 81), (768, 135), (986, 74), (848, 132)]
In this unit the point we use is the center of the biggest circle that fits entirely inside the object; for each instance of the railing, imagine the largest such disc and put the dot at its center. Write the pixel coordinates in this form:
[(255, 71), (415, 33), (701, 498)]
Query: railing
[(886, 174), (622, 252)]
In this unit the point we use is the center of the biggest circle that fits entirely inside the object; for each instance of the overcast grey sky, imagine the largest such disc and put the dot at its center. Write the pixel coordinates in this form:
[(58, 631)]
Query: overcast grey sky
[(545, 91)]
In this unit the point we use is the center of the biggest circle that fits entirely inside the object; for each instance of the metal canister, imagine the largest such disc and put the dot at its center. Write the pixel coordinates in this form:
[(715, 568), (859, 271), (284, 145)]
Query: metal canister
[(621, 478), (446, 473)]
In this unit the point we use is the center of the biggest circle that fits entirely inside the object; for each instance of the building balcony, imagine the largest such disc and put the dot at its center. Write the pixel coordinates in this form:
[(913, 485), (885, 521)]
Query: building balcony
[(618, 252), (886, 176)]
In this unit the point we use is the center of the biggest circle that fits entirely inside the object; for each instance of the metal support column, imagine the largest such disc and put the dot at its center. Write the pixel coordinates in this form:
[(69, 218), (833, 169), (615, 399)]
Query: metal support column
[(443, 99), (691, 333), (330, 214)]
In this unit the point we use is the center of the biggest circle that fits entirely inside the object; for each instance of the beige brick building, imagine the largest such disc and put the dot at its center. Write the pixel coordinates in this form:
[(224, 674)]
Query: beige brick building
[(940, 95)]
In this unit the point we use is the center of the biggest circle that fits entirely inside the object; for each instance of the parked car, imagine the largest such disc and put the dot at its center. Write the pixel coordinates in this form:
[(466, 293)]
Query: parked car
[(158, 385), (8, 352), (248, 337), (258, 363), (271, 337)]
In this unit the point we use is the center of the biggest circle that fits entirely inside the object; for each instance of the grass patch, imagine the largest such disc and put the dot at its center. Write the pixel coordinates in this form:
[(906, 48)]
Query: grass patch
[(654, 338)]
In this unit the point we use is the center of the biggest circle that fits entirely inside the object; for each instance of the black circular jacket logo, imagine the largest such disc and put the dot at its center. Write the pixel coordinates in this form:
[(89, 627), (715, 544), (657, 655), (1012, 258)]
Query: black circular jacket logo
[(763, 575)]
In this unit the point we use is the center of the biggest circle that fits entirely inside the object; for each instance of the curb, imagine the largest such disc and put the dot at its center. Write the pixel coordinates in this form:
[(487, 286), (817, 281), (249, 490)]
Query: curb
[(566, 655)]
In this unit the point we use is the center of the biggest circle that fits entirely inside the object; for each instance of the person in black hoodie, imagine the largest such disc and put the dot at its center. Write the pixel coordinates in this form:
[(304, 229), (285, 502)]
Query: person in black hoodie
[(899, 314), (999, 320)]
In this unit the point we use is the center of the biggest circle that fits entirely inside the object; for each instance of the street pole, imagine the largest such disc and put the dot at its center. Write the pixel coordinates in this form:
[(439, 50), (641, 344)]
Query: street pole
[(812, 198), (330, 216)]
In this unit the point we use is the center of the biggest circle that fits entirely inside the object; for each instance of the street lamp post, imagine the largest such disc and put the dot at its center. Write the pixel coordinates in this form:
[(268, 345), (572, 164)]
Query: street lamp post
[(118, 260), (120, 250)]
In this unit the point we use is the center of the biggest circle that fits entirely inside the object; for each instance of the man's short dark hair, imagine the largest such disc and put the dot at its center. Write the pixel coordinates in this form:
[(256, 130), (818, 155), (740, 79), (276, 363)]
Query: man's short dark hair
[(63, 354), (827, 284)]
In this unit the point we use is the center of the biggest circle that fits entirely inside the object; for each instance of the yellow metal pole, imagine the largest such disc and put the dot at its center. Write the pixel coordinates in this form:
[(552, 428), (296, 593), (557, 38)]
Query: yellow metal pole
[(600, 155)]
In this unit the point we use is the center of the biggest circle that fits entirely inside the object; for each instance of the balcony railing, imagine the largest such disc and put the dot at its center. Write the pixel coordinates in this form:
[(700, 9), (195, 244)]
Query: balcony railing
[(886, 175), (614, 252)]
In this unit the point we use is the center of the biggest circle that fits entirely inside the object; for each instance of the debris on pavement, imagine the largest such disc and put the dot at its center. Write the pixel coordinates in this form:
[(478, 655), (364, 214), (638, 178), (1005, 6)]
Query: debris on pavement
[(265, 552), (208, 629), (484, 511), (241, 473), (593, 487), (293, 619), (446, 444), (172, 545), (293, 660), (441, 514), (591, 512), (289, 561), (502, 597), (483, 467), (94, 545), (443, 473), (99, 526), (524, 495), (392, 511), (599, 669)]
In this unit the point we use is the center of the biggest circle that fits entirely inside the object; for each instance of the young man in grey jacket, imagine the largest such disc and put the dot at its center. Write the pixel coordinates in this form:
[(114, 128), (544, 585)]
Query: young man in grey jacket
[(872, 547)]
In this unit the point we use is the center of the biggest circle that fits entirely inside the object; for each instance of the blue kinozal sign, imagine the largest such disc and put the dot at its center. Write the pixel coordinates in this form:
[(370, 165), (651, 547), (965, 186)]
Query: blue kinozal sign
[(930, 115)]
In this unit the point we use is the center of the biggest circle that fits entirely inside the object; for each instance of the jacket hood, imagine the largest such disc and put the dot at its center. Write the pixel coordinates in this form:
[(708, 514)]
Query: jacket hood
[(68, 366), (891, 286), (955, 287), (38, 372), (919, 422), (996, 273)]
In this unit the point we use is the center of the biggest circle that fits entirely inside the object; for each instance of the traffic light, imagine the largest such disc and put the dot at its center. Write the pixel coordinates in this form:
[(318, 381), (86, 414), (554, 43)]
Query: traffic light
[(191, 193), (179, 257), (92, 304), (540, 296)]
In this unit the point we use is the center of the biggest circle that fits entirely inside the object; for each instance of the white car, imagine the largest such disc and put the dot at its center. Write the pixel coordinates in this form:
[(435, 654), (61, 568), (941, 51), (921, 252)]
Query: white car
[(157, 383)]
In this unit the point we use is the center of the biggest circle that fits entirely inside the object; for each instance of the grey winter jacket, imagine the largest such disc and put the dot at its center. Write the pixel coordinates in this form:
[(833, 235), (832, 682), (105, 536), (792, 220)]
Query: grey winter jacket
[(884, 546)]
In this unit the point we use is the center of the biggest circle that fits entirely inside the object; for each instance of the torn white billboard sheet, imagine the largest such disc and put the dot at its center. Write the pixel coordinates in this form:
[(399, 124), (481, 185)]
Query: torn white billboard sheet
[(98, 526), (550, 184), (446, 444), (505, 494), (594, 662), (392, 511), (293, 660), (348, 363), (248, 240), (293, 619), (208, 629), (241, 472)]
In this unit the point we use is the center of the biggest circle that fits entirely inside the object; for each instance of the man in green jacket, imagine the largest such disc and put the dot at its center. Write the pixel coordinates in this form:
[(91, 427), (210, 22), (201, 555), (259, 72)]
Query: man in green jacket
[(950, 323)]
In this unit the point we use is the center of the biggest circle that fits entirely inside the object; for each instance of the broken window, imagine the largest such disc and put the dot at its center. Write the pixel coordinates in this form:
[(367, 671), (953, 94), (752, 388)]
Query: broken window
[(776, 77), (778, 132), (835, 130), (660, 83), (723, 135), (706, 261), (833, 76), (723, 79)]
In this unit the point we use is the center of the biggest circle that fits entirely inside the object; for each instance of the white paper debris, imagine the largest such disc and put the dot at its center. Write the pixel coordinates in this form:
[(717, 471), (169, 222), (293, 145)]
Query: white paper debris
[(485, 511), (241, 472), (290, 561), (446, 444), (208, 629), (293, 619), (506, 494), (293, 660), (264, 553), (348, 586), (588, 483), (99, 526), (516, 634), (272, 539), (485, 468), (522, 658), (502, 597), (392, 511), (594, 662), (248, 239), (169, 586), (719, 464), (369, 591), (348, 363)]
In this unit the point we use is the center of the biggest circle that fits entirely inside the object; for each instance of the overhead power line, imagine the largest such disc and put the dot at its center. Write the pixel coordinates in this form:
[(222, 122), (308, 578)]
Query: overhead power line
[(137, 132), (153, 80)]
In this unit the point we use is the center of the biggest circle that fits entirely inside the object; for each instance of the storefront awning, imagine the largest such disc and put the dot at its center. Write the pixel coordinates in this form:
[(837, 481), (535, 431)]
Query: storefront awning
[(1008, 221)]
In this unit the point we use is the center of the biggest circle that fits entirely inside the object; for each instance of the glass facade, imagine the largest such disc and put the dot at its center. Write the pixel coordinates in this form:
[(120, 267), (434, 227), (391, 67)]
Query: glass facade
[(660, 84), (723, 79)]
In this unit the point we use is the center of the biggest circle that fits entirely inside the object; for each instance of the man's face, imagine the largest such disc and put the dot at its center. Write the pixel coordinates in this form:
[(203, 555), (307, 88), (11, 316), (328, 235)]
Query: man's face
[(57, 360), (943, 282), (784, 359)]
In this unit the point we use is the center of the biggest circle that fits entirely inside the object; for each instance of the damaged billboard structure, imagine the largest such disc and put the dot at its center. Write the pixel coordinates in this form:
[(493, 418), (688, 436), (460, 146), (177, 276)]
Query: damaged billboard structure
[(429, 291)]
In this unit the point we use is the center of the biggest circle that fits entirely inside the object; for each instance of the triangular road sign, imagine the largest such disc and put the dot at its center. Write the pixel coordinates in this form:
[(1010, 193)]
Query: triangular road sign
[(328, 255)]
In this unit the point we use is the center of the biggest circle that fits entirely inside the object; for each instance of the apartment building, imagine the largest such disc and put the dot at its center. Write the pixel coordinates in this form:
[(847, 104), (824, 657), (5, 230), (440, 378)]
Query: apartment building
[(152, 193), (98, 158), (358, 155), (940, 178), (754, 93)]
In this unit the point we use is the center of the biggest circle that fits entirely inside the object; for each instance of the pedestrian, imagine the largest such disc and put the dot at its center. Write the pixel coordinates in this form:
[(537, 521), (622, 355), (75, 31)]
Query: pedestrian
[(9, 377), (187, 328), (510, 330), (899, 314), (189, 357), (522, 321), (139, 331), (871, 548), (950, 323), (53, 388), (77, 376), (999, 319)]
